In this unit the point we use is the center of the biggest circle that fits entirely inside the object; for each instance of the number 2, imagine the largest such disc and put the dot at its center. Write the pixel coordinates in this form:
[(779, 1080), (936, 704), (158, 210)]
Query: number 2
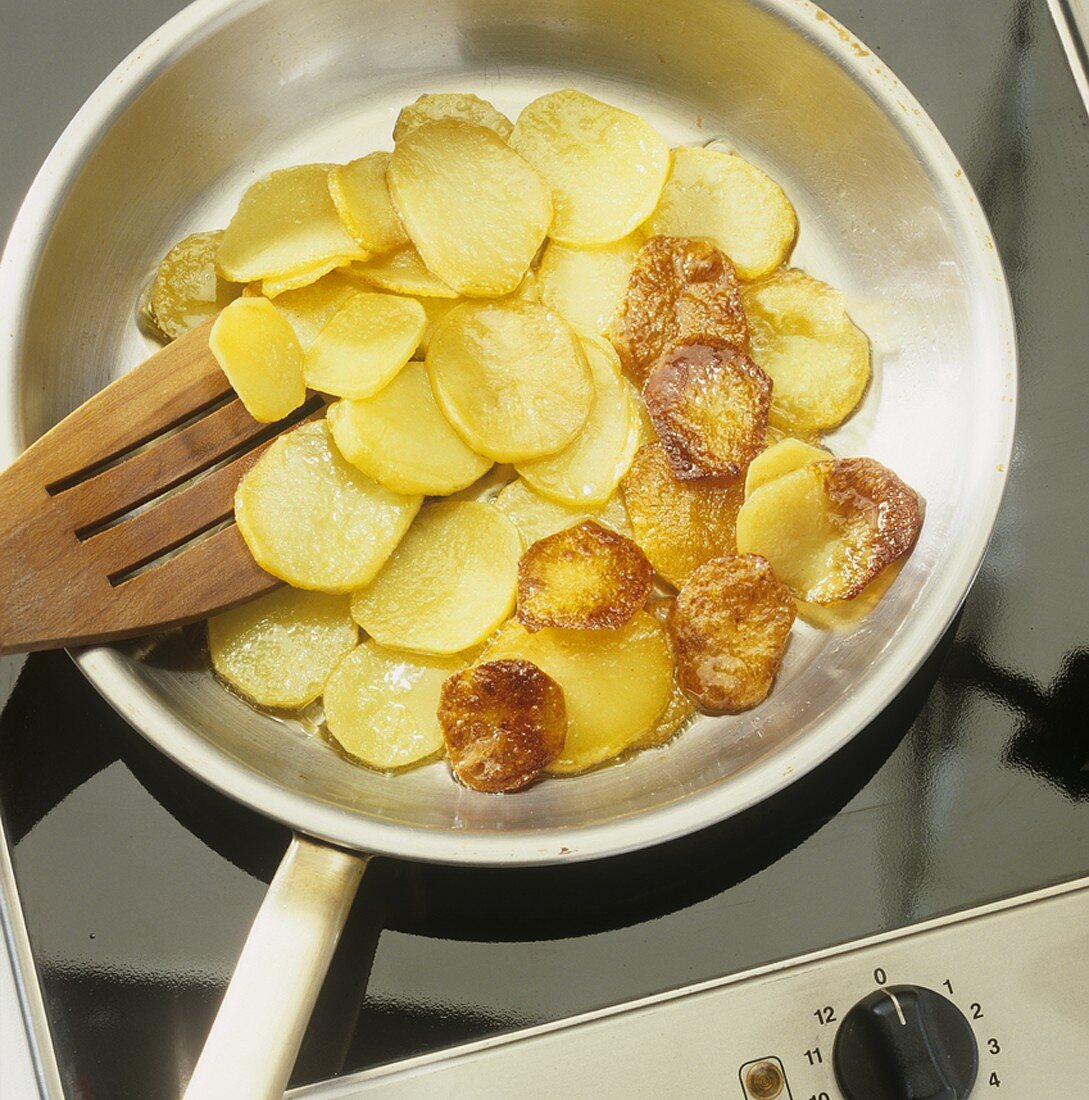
[(826, 1015)]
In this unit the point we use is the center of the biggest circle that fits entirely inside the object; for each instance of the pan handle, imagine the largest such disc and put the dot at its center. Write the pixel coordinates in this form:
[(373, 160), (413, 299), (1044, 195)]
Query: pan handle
[(255, 1037)]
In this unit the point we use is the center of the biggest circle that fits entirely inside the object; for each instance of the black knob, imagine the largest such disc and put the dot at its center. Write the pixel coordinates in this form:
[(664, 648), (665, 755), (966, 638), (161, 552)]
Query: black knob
[(906, 1043)]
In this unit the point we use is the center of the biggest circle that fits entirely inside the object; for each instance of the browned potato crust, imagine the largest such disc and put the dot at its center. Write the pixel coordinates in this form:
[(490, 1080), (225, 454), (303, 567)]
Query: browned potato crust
[(879, 519), (503, 722), (680, 291), (585, 577), (709, 406), (730, 625), (679, 524)]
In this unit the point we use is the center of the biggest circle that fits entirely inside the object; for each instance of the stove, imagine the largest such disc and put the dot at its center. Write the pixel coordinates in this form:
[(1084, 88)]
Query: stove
[(945, 849)]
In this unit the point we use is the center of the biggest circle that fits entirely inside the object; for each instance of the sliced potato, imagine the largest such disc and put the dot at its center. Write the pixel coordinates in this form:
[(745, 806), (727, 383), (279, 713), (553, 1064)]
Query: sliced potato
[(680, 292), (399, 272), (503, 722), (849, 613), (679, 524), (616, 683), (583, 578), (448, 585), (399, 438), (830, 528), (365, 343), (677, 714), (709, 407), (536, 516), (187, 291), (285, 223), (588, 470), (261, 357), (435, 309), (475, 210), (781, 458), (381, 706), (723, 198), (585, 285), (273, 286), (606, 167), (730, 624), (279, 649), (511, 377), (432, 106), (817, 358), (312, 519), (361, 196), (311, 308)]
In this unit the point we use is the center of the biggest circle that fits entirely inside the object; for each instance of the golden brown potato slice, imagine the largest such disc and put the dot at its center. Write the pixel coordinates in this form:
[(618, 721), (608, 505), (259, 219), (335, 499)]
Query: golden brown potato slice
[(583, 578), (279, 649), (401, 439), (819, 362), (679, 524), (261, 357), (432, 106), (361, 196), (616, 683), (537, 516), (782, 457), (830, 528), (187, 291), (312, 519), (680, 292), (588, 470), (364, 345), (311, 308), (285, 224), (709, 406), (511, 378), (724, 199), (503, 722), (849, 613), (399, 272), (606, 167), (448, 585), (381, 706), (585, 285), (730, 624), (475, 210)]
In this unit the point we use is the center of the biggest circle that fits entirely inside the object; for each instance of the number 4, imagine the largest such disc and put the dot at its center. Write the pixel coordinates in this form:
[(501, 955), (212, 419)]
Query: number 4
[(993, 1080)]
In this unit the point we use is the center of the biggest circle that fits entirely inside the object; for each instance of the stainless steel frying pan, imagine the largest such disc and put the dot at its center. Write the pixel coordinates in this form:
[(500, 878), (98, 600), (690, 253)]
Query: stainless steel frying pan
[(230, 89)]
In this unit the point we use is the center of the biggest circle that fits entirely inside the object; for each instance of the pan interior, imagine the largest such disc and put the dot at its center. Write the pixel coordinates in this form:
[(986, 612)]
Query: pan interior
[(884, 215)]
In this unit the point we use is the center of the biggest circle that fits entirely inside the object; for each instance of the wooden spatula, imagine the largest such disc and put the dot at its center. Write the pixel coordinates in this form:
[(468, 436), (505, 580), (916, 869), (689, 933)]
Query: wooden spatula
[(119, 521)]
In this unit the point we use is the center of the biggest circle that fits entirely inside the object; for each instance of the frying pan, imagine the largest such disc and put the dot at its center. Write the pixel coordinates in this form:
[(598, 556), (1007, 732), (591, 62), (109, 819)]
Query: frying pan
[(229, 90)]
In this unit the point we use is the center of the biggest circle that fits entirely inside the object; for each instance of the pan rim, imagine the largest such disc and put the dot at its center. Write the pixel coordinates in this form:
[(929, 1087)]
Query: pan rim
[(905, 652)]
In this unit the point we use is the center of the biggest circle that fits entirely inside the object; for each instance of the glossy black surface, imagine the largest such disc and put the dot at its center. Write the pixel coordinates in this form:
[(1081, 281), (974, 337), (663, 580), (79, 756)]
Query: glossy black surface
[(139, 884)]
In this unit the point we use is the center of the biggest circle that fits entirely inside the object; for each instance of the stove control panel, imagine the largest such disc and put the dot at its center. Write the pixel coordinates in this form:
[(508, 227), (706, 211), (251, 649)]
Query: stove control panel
[(991, 1004)]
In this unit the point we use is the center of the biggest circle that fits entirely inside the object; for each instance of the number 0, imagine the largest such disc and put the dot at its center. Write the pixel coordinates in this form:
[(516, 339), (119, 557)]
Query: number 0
[(880, 976)]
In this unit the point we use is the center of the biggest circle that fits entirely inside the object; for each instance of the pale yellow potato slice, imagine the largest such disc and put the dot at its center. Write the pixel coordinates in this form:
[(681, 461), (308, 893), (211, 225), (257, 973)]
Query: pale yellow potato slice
[(187, 291), (475, 210), (366, 342), (360, 194), (616, 683), (511, 377), (285, 223), (723, 198), (261, 357), (311, 308), (312, 519), (273, 287), (830, 528), (399, 438), (400, 272), (448, 585), (679, 711), (381, 706), (537, 516), (849, 613), (279, 649), (432, 106), (606, 167), (585, 285), (435, 310), (781, 458), (818, 360), (588, 470)]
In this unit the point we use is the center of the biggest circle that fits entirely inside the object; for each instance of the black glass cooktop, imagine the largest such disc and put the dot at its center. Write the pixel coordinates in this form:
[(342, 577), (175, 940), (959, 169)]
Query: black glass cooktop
[(139, 884)]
